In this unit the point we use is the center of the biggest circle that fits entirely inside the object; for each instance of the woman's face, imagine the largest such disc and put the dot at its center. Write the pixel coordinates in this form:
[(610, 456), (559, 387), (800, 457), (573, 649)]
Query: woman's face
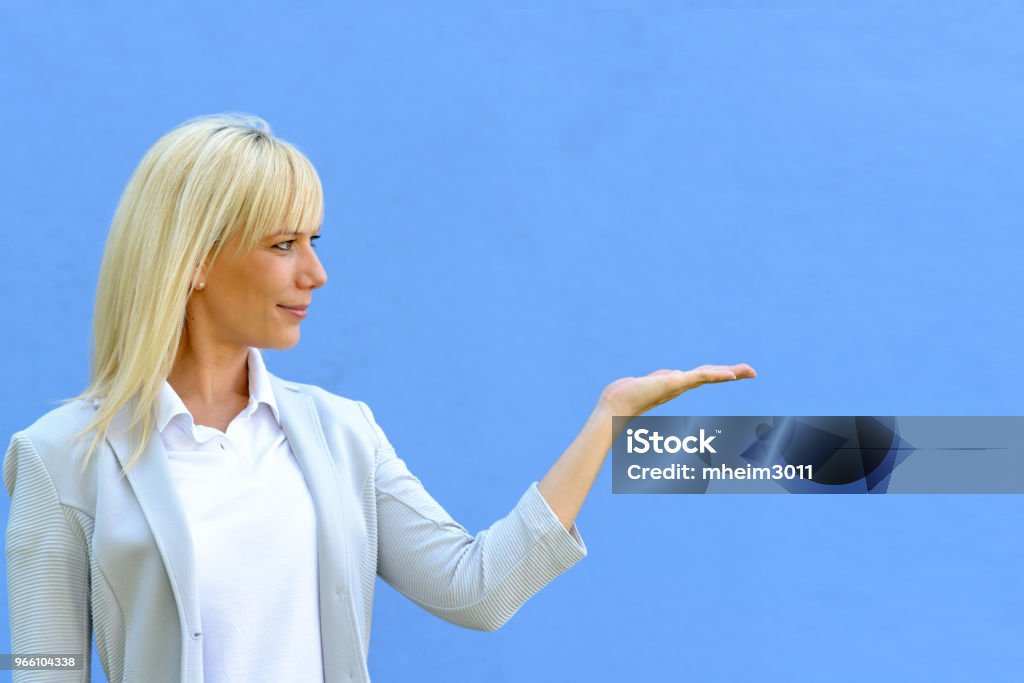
[(245, 299)]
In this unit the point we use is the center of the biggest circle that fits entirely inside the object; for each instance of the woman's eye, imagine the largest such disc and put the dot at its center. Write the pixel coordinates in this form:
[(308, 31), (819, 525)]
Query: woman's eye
[(287, 246)]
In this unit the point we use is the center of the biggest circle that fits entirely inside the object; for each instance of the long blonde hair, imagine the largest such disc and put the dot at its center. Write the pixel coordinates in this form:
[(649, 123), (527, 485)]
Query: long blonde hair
[(207, 180)]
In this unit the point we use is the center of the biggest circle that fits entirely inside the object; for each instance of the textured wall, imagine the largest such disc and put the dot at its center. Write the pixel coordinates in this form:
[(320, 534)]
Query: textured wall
[(526, 201)]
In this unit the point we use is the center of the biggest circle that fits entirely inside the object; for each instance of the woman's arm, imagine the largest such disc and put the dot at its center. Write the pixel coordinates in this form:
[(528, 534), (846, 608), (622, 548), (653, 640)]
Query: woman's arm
[(47, 569), (570, 479), (480, 581), (476, 581)]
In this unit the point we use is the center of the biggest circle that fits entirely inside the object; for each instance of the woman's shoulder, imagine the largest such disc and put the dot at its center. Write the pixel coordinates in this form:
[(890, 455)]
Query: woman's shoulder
[(55, 428), (340, 409), (48, 441), (317, 393)]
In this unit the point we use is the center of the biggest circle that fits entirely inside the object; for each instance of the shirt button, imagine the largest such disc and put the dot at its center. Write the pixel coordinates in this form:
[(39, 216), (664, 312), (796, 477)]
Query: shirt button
[(222, 446)]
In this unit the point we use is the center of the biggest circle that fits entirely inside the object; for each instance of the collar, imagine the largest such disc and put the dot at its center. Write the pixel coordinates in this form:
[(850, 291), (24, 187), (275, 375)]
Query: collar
[(169, 404)]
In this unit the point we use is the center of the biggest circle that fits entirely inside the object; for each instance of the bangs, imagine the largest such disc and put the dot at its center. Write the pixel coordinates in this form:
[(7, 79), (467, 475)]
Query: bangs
[(288, 197)]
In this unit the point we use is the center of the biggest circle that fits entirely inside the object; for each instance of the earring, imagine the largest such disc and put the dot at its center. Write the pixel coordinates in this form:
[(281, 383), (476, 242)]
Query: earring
[(200, 285)]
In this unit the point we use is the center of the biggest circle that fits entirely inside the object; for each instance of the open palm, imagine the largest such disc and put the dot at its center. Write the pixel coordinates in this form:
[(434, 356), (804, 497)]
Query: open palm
[(632, 396)]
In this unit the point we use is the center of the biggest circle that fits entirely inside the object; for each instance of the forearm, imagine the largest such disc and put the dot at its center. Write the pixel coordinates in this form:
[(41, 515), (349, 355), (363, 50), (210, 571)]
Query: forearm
[(567, 483), (570, 479)]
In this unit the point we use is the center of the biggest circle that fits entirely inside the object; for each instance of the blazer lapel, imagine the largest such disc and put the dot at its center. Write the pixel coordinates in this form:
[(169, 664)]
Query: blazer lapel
[(151, 481), (302, 427)]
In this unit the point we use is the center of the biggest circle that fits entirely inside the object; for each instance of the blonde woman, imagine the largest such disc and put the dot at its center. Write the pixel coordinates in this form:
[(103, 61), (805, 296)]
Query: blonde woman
[(209, 521)]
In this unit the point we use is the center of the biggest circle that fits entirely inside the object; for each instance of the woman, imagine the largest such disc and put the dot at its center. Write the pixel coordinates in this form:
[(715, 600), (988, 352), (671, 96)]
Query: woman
[(212, 521)]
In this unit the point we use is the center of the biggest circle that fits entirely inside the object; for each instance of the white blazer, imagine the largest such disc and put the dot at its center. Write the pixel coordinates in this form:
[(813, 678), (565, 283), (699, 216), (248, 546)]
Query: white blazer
[(113, 554)]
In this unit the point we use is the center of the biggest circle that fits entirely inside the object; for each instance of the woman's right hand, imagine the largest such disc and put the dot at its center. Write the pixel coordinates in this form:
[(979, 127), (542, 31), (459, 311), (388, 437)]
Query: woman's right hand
[(632, 396)]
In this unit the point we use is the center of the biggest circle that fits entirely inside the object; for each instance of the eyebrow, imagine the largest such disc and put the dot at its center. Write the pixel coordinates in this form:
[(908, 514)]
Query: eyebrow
[(295, 232)]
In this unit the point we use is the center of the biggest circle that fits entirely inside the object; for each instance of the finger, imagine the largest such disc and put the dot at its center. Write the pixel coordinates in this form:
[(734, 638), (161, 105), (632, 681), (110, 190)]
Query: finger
[(718, 373), (739, 370), (742, 370), (684, 380), (726, 373)]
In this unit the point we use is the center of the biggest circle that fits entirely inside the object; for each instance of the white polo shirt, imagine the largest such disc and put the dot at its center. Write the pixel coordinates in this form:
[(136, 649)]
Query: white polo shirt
[(254, 536)]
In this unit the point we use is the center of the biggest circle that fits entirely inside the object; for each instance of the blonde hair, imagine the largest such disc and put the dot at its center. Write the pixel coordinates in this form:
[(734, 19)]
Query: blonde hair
[(206, 181)]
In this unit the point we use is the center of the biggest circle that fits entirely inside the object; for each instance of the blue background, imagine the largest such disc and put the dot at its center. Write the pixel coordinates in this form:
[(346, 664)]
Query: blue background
[(528, 200)]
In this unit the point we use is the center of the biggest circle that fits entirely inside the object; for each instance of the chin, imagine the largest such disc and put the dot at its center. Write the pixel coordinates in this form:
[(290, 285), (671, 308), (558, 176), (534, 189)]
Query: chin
[(281, 344)]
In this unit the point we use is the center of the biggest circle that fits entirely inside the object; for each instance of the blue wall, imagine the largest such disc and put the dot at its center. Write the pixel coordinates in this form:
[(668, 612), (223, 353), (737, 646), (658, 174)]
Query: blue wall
[(526, 202)]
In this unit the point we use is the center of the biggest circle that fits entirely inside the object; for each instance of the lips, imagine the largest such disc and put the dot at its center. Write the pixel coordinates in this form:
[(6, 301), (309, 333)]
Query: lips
[(298, 311)]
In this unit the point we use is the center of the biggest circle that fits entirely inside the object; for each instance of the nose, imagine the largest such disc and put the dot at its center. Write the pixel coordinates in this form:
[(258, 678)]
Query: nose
[(312, 274)]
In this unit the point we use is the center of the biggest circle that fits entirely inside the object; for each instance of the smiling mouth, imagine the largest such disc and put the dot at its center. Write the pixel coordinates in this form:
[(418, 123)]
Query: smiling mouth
[(297, 311)]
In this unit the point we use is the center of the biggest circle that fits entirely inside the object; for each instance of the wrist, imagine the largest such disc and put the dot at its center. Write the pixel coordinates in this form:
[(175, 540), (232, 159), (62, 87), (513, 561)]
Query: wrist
[(606, 410)]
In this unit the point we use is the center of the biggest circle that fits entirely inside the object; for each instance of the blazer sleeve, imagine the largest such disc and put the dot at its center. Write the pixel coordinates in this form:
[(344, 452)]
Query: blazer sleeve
[(479, 581), (47, 569)]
